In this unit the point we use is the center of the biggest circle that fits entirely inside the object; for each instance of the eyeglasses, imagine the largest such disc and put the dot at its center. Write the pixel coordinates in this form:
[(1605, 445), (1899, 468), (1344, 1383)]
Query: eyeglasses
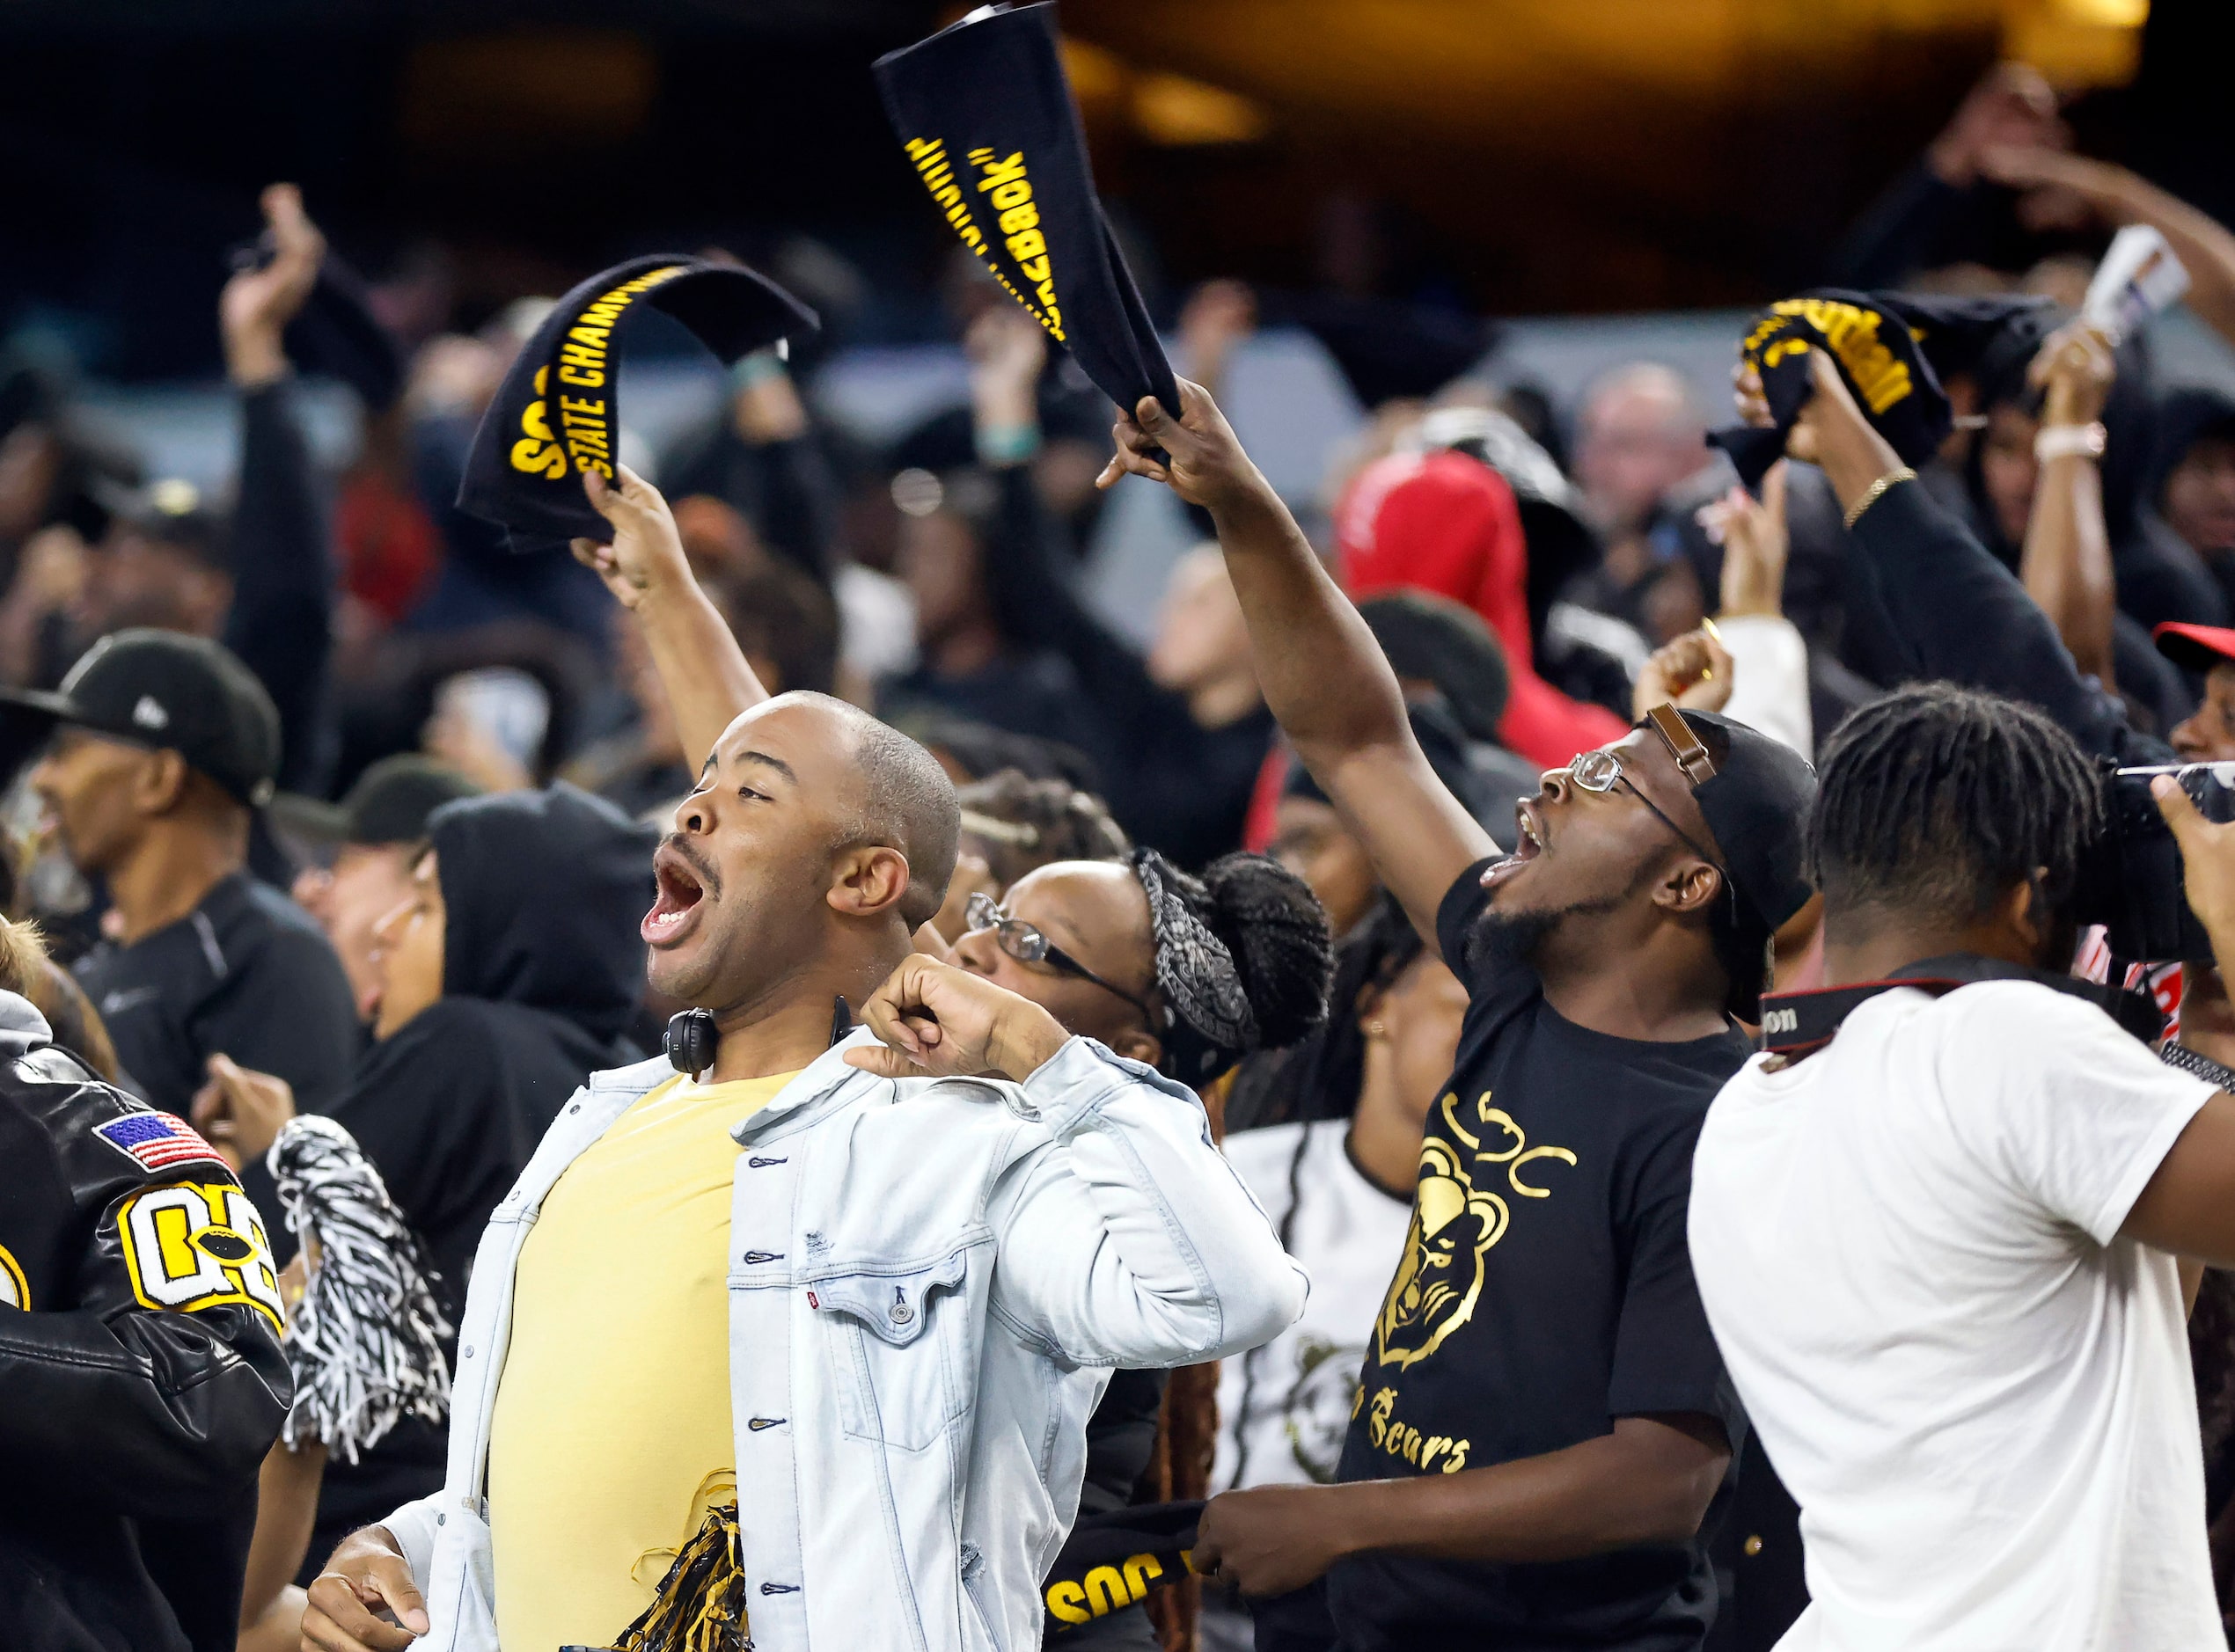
[(1601, 771), (1027, 945)]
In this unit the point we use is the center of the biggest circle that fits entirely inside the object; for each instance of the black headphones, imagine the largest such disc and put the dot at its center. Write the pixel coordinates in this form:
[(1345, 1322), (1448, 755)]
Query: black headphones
[(690, 1040), (692, 1037)]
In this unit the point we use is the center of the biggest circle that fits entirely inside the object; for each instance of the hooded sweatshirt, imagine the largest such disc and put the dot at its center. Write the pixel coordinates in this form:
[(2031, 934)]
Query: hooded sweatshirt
[(542, 972)]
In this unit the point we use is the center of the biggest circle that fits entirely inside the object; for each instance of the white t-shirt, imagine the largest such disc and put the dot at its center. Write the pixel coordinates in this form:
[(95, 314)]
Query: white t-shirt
[(1978, 1394), (1289, 1402)]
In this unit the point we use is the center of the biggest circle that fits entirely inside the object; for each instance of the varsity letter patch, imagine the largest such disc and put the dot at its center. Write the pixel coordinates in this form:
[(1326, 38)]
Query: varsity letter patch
[(198, 1245), (156, 1141), (15, 1289)]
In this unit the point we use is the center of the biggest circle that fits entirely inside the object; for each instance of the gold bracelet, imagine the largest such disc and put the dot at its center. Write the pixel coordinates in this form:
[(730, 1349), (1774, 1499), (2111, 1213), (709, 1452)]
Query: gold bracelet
[(1901, 473)]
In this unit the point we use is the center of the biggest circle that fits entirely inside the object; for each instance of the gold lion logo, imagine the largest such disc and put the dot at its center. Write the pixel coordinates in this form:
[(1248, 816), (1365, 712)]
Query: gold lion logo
[(1455, 1225)]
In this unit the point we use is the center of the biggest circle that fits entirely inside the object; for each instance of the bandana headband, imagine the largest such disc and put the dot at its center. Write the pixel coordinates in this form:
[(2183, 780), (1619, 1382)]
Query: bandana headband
[(1194, 970)]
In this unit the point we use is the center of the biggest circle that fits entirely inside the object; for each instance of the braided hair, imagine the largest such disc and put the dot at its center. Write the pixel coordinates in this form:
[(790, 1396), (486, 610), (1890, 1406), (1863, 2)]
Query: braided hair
[(1319, 1077), (1938, 799), (1244, 959), (1021, 823)]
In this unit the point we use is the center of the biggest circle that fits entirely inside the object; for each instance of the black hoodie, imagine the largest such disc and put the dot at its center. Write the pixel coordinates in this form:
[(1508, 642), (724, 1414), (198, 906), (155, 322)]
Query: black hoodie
[(542, 970)]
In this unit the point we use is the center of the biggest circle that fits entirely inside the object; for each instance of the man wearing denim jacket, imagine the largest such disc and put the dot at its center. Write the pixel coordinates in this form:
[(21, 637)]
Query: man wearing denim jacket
[(926, 1279)]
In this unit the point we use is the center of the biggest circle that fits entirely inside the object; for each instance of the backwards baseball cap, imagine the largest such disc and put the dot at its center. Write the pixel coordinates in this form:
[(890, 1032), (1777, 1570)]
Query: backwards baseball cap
[(1754, 793), (2196, 648), (169, 692), (388, 804)]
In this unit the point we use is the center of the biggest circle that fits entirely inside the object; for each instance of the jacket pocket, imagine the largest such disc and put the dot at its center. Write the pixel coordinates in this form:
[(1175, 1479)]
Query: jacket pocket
[(895, 1338)]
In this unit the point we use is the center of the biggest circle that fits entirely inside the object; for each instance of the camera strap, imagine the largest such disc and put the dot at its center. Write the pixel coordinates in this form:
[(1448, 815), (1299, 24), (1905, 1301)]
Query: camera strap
[(1797, 1024)]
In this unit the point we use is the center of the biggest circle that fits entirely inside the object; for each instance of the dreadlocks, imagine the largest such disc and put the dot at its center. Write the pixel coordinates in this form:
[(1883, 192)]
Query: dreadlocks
[(1938, 799)]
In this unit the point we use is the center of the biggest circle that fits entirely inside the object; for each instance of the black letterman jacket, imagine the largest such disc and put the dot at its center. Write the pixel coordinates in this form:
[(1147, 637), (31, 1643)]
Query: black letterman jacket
[(141, 1376)]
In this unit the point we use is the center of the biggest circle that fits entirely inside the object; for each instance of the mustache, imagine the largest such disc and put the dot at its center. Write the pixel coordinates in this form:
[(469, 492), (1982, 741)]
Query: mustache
[(680, 846)]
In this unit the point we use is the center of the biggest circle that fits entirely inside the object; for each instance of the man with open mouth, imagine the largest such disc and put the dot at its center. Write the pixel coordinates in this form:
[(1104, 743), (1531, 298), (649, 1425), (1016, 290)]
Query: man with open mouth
[(1544, 1432), (748, 1345)]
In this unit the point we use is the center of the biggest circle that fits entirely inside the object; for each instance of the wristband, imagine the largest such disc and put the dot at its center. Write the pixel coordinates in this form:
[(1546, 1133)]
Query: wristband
[(1901, 473), (756, 369), (2069, 442), (1007, 444), (2203, 1066)]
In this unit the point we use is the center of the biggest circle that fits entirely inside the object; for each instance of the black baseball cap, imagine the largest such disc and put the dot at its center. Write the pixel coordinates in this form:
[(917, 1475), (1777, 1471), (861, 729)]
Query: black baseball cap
[(1756, 803), (388, 804), (169, 692)]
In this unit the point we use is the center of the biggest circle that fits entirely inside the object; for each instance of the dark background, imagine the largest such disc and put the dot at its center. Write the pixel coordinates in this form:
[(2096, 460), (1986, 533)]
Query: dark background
[(1511, 156)]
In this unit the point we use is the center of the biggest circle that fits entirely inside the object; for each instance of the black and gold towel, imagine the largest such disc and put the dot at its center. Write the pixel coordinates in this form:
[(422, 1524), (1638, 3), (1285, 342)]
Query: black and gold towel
[(985, 115)]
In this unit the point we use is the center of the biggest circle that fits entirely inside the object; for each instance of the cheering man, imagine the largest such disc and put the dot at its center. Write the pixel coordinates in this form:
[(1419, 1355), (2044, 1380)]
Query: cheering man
[(1542, 1421), (871, 1312)]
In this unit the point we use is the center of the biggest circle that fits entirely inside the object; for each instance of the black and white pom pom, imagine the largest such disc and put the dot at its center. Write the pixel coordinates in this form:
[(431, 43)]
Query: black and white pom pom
[(365, 1341)]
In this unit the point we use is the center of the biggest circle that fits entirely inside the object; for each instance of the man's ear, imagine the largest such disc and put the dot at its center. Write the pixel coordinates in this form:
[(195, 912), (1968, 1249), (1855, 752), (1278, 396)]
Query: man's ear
[(2023, 912), (161, 783), (867, 881), (1689, 886)]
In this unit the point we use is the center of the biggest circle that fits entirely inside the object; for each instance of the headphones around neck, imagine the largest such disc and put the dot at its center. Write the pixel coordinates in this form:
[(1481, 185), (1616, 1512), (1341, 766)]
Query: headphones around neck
[(692, 1037)]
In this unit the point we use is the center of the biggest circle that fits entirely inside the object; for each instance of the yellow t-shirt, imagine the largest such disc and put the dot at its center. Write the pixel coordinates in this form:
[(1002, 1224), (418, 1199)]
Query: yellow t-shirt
[(611, 1432)]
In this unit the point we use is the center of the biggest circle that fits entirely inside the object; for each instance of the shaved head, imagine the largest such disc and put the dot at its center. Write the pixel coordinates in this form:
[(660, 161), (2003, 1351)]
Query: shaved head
[(815, 833), (905, 802)]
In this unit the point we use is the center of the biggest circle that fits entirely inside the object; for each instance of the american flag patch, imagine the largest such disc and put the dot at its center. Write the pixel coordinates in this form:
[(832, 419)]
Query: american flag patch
[(156, 1141)]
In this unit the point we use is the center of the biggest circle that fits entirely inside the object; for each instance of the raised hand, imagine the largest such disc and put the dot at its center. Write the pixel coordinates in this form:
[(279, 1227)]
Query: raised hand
[(1692, 671), (257, 304), (1752, 533), (940, 1020), (1207, 465), (1218, 316), (646, 552), (2075, 367), (2013, 105), (1007, 350)]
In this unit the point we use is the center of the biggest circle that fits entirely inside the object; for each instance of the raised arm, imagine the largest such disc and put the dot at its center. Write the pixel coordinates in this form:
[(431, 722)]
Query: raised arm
[(1324, 674), (2201, 242), (701, 665), (281, 623), (1026, 558), (1958, 612), (2066, 564)]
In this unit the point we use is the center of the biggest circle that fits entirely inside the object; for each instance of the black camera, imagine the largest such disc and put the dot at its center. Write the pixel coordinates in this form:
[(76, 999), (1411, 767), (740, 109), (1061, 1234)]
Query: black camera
[(2132, 884)]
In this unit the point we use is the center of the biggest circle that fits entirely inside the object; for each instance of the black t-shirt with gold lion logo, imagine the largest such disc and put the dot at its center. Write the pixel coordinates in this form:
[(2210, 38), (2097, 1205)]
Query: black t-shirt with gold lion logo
[(1545, 1291)]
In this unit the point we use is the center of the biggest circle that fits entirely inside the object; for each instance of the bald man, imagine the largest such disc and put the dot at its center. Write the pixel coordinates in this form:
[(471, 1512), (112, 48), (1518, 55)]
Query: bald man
[(824, 1315)]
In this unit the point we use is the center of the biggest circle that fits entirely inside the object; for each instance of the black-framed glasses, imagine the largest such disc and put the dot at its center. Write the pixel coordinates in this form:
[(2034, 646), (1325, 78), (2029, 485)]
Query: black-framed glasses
[(1599, 772), (1025, 943)]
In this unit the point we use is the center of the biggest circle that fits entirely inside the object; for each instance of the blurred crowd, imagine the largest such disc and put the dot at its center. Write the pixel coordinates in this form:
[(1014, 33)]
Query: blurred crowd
[(327, 800)]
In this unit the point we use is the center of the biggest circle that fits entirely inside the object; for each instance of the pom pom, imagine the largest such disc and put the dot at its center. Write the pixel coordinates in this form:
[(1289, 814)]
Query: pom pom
[(365, 1341)]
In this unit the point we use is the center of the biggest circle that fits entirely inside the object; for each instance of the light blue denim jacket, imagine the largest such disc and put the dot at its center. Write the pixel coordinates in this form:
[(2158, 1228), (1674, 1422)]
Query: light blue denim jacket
[(929, 1284)]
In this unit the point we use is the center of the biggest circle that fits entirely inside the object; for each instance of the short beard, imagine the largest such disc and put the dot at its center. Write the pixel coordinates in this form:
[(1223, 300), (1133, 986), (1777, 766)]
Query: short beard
[(1502, 940)]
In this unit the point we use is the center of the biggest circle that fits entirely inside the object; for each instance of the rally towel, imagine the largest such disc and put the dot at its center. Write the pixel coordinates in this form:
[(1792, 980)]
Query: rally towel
[(558, 414), (1892, 348), (986, 116)]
